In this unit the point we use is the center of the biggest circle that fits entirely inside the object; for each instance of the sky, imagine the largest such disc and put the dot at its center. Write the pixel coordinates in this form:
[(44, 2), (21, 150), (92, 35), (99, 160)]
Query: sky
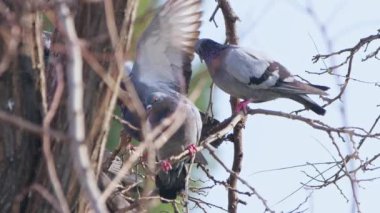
[(284, 31)]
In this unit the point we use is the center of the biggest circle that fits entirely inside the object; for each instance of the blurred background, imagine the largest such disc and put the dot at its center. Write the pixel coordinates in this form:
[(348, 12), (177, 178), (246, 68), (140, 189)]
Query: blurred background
[(278, 152)]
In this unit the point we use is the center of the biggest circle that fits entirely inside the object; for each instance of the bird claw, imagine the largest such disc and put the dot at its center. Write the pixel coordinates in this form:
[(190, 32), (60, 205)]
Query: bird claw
[(166, 166), (192, 149), (242, 106)]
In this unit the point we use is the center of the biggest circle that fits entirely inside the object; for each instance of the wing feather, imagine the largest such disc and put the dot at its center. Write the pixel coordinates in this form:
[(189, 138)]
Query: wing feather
[(260, 72), (166, 48), (245, 67)]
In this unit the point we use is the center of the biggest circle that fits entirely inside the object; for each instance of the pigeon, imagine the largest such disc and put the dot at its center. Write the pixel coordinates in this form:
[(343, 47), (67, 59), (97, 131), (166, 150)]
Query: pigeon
[(255, 78), (164, 54), (171, 179), (161, 75)]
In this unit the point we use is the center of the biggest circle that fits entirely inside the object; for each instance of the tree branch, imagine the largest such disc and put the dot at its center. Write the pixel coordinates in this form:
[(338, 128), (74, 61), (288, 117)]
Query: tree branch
[(49, 158), (75, 113), (230, 19)]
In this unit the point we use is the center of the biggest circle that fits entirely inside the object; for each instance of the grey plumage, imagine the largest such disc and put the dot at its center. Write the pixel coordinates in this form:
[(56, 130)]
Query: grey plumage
[(251, 76), (164, 53), (161, 105), (161, 75), (166, 48)]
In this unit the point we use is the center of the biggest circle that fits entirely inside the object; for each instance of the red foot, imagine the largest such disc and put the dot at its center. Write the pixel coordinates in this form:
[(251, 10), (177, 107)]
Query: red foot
[(144, 157), (166, 166), (242, 106), (192, 149)]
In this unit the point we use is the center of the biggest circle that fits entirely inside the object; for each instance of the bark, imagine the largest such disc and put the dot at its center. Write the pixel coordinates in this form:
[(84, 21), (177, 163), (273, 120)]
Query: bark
[(21, 161), (230, 19), (19, 149)]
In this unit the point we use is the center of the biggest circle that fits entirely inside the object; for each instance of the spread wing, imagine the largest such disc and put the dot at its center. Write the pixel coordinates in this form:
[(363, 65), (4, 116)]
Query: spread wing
[(166, 48)]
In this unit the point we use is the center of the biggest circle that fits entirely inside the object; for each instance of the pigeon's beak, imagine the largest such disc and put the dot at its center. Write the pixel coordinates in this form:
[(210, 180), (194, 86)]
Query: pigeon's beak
[(200, 58), (148, 109)]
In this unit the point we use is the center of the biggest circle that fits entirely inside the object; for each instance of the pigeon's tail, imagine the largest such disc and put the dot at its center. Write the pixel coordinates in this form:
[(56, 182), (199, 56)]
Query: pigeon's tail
[(309, 104), (323, 88), (171, 183)]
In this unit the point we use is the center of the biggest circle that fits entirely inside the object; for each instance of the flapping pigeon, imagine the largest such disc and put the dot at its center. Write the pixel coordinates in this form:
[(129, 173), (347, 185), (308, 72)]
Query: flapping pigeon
[(161, 75), (164, 52), (254, 78)]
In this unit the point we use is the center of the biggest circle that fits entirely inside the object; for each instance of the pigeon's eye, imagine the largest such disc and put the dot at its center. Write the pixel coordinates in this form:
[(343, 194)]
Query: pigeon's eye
[(155, 99)]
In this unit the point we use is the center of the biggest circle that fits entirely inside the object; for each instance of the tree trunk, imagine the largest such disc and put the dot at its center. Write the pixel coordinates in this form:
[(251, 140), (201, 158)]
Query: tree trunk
[(21, 160), (19, 149)]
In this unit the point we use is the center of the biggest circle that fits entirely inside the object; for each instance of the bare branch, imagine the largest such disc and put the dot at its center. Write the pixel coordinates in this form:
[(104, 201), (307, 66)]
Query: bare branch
[(263, 201), (351, 51), (369, 132), (31, 127), (230, 19), (297, 209), (126, 30), (41, 191), (316, 124), (199, 203), (50, 162), (158, 136), (75, 110), (11, 38)]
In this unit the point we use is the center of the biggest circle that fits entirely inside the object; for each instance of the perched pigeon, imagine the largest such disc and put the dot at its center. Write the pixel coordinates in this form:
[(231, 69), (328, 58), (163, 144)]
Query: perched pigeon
[(171, 179), (161, 75), (254, 78)]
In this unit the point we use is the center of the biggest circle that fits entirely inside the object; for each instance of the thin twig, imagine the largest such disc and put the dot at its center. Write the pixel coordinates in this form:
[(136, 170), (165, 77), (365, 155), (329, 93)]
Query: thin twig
[(41, 190), (244, 182), (198, 202), (49, 158), (316, 124), (220, 134), (369, 132), (118, 44), (75, 113), (297, 209), (11, 37), (159, 135), (31, 127)]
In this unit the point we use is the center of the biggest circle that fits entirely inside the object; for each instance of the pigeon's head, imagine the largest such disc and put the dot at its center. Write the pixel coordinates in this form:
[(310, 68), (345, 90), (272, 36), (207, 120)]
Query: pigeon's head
[(207, 49), (160, 105), (128, 67)]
